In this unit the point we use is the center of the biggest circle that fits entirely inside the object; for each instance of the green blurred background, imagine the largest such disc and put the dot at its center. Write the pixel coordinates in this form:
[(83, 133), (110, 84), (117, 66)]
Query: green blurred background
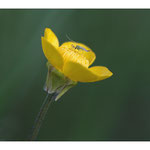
[(114, 109)]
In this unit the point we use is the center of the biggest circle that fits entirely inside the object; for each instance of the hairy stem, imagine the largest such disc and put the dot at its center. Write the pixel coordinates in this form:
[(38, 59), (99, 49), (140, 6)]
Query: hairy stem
[(41, 115)]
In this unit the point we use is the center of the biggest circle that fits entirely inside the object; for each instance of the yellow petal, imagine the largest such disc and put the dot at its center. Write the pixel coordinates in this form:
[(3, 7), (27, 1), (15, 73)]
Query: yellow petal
[(90, 55), (51, 37), (52, 54), (78, 72)]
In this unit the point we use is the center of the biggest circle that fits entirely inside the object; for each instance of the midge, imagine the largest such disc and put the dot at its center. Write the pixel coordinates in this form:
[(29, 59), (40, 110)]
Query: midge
[(77, 46), (80, 47)]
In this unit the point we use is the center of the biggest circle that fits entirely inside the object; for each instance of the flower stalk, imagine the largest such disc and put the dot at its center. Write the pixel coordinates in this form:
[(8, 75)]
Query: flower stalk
[(56, 85), (41, 115)]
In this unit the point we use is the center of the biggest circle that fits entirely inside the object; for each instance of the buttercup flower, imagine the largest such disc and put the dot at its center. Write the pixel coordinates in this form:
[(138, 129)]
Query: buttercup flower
[(72, 59), (67, 64)]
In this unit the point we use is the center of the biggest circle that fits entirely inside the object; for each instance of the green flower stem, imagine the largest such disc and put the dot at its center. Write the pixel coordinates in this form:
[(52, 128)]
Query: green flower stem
[(41, 115)]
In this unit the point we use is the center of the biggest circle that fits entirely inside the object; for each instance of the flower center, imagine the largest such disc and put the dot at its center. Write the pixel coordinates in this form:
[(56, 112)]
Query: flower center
[(71, 53)]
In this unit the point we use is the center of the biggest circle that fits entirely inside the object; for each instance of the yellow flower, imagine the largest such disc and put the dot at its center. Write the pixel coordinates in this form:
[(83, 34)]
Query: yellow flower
[(72, 59)]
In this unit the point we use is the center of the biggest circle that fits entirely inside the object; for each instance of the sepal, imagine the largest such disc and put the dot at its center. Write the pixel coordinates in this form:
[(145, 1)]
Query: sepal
[(56, 83)]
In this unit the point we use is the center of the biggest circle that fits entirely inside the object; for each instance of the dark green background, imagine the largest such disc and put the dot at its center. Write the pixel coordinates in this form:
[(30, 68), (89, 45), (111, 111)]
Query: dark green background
[(114, 109)]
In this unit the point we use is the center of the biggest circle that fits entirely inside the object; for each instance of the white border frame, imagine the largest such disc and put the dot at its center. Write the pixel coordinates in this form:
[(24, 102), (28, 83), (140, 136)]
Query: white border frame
[(75, 4)]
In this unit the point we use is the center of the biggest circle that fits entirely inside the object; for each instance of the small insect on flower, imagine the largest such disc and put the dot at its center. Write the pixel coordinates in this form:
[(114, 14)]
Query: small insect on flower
[(80, 47), (77, 46)]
